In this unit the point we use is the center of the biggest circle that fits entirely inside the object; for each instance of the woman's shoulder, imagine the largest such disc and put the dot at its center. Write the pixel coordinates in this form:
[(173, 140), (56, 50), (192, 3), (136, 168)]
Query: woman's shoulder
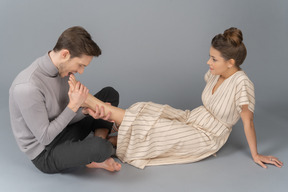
[(241, 76), (242, 79)]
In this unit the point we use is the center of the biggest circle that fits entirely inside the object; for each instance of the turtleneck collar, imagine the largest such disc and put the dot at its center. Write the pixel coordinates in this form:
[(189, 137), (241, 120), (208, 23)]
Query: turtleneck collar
[(48, 67)]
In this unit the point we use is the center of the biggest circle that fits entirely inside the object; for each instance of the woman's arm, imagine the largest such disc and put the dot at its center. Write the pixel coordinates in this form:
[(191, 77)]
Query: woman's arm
[(247, 119)]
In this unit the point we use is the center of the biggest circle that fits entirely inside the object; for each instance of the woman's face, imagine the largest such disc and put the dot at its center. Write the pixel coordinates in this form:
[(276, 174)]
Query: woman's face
[(218, 65)]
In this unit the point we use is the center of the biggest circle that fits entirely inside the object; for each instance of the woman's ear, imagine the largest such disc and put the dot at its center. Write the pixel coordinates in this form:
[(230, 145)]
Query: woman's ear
[(231, 63)]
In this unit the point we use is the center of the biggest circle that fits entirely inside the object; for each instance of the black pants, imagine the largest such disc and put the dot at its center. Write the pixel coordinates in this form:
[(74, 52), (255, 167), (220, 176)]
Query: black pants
[(72, 148)]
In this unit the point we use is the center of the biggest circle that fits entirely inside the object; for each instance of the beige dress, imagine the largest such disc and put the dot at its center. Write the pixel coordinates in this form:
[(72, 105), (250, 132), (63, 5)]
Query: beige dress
[(154, 134)]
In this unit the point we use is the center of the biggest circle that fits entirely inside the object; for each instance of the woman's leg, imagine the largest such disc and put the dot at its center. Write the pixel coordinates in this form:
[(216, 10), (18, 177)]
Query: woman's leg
[(102, 127), (117, 114)]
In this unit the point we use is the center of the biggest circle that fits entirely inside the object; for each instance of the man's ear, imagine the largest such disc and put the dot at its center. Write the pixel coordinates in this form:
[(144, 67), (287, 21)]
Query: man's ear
[(65, 54)]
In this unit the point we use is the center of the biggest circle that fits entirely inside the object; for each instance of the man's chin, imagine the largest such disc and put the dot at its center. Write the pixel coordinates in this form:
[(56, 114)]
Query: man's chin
[(63, 75)]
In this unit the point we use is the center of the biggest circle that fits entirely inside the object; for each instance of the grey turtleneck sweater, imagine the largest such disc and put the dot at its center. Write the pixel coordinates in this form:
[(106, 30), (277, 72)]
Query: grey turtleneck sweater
[(38, 99)]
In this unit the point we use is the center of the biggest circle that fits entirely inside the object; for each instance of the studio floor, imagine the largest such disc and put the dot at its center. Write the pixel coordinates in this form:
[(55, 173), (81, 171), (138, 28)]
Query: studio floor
[(231, 170)]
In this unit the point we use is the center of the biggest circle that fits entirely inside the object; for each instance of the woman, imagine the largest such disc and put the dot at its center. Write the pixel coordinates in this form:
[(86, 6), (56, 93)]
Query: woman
[(153, 134)]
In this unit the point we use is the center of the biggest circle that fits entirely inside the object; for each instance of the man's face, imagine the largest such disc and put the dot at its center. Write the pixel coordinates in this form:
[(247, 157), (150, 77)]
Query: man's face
[(74, 65)]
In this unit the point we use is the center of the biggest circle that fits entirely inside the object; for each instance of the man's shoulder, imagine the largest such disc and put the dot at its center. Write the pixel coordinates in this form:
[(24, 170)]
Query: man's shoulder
[(29, 73), (27, 78), (23, 88)]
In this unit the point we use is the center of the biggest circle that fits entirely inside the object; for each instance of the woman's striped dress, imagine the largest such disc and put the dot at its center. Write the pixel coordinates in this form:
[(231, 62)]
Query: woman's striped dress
[(154, 134)]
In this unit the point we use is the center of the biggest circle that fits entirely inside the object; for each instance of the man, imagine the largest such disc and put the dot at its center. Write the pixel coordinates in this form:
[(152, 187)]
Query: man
[(46, 116)]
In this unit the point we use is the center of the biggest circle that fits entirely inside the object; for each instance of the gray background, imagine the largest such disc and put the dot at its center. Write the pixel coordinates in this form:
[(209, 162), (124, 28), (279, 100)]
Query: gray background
[(155, 50)]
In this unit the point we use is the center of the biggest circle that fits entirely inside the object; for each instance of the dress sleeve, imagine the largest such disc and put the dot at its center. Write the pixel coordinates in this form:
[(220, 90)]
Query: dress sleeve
[(245, 95), (207, 76)]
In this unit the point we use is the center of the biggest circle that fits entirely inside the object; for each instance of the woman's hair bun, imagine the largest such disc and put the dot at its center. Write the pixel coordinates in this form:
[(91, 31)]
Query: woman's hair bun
[(234, 36)]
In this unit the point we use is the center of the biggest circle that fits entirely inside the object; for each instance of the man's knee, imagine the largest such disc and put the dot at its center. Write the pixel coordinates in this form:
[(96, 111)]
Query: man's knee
[(108, 94), (111, 91)]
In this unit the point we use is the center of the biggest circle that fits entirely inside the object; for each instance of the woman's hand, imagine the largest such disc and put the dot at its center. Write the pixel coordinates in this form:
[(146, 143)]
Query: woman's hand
[(262, 160)]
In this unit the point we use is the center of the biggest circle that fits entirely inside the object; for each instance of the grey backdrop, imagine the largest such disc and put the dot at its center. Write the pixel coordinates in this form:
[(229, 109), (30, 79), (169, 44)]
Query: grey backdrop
[(153, 50)]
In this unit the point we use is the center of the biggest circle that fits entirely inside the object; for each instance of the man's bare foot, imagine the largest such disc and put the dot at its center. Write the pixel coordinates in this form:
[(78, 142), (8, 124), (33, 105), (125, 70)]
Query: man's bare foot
[(108, 164), (113, 140)]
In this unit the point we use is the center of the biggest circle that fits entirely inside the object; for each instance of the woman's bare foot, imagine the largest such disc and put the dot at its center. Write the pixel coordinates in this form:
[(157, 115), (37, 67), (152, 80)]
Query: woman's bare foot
[(108, 164)]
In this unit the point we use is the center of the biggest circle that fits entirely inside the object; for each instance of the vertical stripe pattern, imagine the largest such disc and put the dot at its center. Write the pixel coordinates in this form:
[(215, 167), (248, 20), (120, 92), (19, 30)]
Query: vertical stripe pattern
[(154, 134)]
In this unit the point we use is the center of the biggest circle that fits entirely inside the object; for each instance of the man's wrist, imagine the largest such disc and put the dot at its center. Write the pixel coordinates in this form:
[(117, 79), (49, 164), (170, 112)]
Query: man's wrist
[(73, 107)]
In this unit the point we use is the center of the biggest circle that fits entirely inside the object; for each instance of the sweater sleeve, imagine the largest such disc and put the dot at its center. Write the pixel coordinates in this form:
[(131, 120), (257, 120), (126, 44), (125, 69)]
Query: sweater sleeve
[(31, 103)]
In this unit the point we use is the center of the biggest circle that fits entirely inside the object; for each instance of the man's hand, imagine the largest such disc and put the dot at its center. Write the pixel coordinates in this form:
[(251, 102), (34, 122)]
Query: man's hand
[(77, 95), (99, 113)]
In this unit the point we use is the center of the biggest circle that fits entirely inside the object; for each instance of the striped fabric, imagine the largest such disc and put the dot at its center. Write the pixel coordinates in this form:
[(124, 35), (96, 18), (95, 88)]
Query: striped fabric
[(154, 134)]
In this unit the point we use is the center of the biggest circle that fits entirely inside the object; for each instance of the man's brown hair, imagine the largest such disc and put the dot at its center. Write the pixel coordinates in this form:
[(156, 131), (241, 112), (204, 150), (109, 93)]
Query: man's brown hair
[(78, 41)]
